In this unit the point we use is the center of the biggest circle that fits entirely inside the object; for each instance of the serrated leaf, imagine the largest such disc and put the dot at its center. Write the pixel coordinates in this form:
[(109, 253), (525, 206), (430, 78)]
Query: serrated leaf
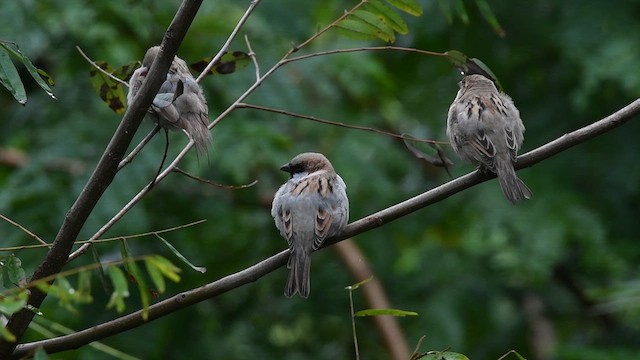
[(200, 269), (110, 90), (120, 288), (360, 283), (462, 11), (356, 30), (33, 71), (230, 62), (487, 13), (10, 78), (409, 6), (384, 32), (378, 312), (15, 272), (10, 304), (390, 17)]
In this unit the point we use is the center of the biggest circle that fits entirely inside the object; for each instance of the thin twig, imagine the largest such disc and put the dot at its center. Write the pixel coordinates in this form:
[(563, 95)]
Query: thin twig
[(126, 237), (327, 28), (231, 37), (209, 182), (335, 123), (25, 230), (253, 57), (101, 69), (264, 267), (353, 324), (138, 147), (367, 48)]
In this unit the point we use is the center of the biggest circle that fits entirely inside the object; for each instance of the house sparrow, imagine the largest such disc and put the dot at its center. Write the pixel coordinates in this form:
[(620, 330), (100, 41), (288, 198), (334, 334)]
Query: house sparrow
[(307, 209), (484, 127), (179, 104)]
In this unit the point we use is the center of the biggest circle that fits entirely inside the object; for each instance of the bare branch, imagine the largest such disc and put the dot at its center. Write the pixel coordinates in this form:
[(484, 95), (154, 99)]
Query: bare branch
[(138, 147), (367, 48), (335, 123), (101, 69), (372, 221), (232, 36), (253, 57), (209, 182), (104, 173), (25, 230)]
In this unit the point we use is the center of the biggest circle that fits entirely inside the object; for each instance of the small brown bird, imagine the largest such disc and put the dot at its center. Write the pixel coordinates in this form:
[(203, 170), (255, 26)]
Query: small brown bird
[(484, 128), (307, 209), (179, 104)]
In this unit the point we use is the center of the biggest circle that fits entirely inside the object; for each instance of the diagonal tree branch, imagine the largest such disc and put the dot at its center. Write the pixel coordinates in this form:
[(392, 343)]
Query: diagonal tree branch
[(104, 172), (372, 221)]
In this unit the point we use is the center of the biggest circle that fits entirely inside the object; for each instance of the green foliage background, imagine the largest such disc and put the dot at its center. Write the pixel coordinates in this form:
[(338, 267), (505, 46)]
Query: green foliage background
[(467, 265)]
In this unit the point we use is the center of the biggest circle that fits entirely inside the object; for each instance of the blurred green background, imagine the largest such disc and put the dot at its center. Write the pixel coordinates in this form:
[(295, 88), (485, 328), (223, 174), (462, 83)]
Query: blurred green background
[(560, 271)]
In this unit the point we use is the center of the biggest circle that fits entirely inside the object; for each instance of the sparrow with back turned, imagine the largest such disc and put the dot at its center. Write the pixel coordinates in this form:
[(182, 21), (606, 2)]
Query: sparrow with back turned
[(310, 207), (484, 127), (179, 104)]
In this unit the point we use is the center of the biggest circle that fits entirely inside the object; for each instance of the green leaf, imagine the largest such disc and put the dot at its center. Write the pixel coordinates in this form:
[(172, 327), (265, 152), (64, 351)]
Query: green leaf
[(10, 304), (200, 269), (384, 32), (357, 285), (15, 271), (6, 334), (409, 6), (462, 11), (444, 355), (230, 62), (35, 73), (83, 292), (457, 58), (378, 312), (487, 13), (167, 268), (110, 90), (10, 78), (156, 275), (356, 29), (143, 289), (120, 288), (125, 71), (390, 17)]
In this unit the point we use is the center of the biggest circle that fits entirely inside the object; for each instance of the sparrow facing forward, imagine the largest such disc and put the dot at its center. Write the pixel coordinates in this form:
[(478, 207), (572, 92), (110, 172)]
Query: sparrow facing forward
[(179, 104), (307, 209), (484, 128)]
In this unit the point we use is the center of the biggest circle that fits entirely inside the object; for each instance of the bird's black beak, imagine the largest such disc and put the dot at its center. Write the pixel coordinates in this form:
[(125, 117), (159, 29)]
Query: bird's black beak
[(286, 168)]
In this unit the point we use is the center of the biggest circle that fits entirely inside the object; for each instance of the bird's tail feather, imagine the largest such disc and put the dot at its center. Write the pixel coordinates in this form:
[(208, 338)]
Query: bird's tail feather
[(298, 282), (514, 189)]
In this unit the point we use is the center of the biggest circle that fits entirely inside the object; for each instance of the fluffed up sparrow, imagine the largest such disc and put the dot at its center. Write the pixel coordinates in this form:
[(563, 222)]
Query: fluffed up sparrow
[(179, 104), (484, 127), (307, 209)]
